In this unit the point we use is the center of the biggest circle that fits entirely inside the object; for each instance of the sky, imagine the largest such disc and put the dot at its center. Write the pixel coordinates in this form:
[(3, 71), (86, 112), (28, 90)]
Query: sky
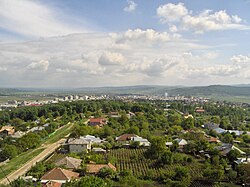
[(82, 43)]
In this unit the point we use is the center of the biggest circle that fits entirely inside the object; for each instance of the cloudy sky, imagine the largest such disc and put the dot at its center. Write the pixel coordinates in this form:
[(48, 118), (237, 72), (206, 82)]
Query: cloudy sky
[(78, 43)]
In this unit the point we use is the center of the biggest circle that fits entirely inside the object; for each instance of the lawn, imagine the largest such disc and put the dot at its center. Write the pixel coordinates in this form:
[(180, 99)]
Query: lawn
[(18, 161), (57, 135)]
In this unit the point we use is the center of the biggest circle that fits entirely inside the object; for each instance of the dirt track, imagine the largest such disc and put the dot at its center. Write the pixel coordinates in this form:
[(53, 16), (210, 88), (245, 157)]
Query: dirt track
[(22, 170)]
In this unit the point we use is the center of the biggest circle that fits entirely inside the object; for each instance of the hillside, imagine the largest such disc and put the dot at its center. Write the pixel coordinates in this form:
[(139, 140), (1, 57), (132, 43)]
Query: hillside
[(213, 90), (219, 90)]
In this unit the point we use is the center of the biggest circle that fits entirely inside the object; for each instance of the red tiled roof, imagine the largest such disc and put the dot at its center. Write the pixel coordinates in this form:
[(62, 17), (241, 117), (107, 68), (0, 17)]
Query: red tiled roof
[(213, 139), (126, 137), (7, 128), (69, 162), (60, 174), (52, 184), (96, 120), (200, 110), (95, 168)]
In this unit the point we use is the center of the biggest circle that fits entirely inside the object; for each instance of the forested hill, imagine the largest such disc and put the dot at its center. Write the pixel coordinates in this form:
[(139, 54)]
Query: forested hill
[(213, 90), (219, 90)]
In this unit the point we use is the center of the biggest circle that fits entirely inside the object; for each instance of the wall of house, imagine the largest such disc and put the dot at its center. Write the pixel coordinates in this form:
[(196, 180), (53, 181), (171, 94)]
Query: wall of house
[(77, 148)]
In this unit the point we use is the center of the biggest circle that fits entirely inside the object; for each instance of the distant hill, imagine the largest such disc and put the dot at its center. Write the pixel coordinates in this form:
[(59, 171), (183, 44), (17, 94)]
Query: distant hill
[(219, 90), (147, 89), (8, 91), (213, 90)]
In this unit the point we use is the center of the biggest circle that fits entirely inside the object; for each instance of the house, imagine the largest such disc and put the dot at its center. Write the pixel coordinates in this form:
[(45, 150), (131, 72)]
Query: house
[(237, 133), (52, 184), (125, 138), (37, 129), (69, 162), (7, 131), (169, 144), (130, 115), (142, 141), (46, 125), (181, 142), (18, 134), (59, 175), (99, 122), (213, 140), (199, 110), (211, 126), (29, 178), (225, 148), (98, 150), (92, 139), (219, 130), (242, 161), (78, 145), (188, 116), (114, 115), (95, 168)]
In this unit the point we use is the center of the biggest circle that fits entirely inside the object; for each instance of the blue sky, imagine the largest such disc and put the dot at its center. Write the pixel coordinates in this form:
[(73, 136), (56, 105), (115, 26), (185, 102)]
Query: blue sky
[(76, 43)]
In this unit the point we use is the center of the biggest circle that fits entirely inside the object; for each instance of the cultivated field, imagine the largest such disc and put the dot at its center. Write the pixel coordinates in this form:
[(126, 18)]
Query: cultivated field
[(134, 160)]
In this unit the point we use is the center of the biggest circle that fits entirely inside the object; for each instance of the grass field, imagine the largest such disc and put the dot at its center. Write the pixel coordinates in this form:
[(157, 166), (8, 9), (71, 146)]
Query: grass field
[(60, 133), (18, 161), (237, 99), (4, 99)]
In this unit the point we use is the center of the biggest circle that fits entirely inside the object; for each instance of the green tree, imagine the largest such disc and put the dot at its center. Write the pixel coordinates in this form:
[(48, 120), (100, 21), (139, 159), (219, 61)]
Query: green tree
[(188, 123), (228, 138), (182, 174), (135, 144), (166, 157), (157, 147), (29, 141), (133, 130), (22, 183), (9, 151), (213, 175), (233, 155), (106, 173), (244, 173), (89, 181)]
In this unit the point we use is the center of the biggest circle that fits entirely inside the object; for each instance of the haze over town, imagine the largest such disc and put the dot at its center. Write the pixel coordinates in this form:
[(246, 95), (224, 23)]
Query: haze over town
[(115, 43)]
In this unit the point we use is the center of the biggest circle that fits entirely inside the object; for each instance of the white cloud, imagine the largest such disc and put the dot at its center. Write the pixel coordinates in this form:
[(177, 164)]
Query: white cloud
[(130, 7), (148, 35), (159, 66), (205, 21), (173, 28), (98, 59), (65, 70), (3, 68), (110, 58), (42, 65), (171, 12), (31, 18), (241, 60), (211, 22)]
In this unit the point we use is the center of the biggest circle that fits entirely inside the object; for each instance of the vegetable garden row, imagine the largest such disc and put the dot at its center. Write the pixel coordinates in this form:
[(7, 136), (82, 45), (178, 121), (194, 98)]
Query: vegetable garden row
[(135, 161)]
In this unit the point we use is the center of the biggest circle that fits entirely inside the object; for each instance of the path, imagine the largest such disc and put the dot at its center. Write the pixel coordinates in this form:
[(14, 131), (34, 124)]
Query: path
[(49, 149)]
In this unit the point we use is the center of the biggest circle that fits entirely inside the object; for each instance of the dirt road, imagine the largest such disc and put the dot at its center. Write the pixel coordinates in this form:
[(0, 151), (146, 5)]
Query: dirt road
[(22, 170)]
